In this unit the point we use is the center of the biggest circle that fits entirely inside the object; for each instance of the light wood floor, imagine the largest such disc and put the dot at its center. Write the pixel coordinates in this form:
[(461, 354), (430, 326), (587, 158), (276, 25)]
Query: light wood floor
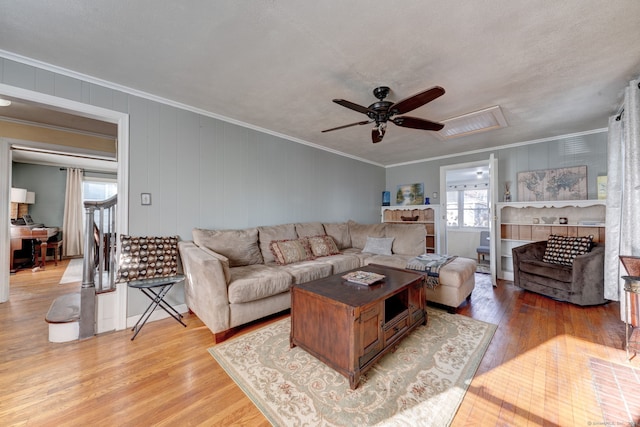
[(535, 371)]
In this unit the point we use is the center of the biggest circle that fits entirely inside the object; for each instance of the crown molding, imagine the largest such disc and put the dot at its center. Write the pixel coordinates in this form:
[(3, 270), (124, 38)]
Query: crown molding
[(502, 147), (151, 97)]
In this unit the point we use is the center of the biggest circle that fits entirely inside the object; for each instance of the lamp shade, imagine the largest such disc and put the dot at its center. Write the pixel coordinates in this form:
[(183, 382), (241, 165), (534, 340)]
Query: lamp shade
[(31, 197), (18, 195)]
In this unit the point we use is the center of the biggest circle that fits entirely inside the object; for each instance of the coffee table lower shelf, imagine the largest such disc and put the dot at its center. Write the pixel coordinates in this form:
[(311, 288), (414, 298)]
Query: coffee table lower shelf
[(349, 327)]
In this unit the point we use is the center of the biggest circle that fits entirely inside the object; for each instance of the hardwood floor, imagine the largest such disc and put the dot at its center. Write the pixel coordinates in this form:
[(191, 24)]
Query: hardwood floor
[(535, 371)]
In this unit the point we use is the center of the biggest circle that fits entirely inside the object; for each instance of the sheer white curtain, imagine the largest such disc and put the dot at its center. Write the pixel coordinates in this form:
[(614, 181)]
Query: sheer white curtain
[(623, 192), (72, 228)]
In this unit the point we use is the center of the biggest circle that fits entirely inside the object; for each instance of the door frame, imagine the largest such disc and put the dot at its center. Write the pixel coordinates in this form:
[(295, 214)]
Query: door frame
[(78, 109), (490, 163)]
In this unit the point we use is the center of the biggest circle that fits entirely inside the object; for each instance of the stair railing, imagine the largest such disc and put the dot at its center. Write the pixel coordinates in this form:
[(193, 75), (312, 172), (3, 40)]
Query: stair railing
[(99, 264)]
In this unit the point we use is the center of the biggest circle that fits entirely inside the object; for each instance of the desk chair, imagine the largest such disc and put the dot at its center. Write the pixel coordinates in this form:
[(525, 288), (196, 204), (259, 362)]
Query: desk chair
[(485, 247)]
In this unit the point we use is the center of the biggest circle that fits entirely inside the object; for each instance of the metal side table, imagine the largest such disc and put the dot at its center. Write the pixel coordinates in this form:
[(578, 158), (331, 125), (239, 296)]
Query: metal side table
[(156, 289), (631, 325)]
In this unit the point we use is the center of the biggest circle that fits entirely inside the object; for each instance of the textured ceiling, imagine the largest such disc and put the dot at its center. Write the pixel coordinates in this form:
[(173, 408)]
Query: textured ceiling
[(554, 67)]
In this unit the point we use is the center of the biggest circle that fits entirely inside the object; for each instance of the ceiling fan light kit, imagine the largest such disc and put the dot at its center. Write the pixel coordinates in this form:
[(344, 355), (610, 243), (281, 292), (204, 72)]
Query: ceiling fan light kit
[(382, 111)]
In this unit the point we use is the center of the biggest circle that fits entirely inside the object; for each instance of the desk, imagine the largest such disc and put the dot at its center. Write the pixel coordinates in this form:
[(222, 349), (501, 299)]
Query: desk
[(20, 233), (148, 287)]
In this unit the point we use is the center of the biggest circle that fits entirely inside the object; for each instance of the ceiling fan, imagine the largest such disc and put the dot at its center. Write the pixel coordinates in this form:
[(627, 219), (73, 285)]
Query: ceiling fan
[(382, 111)]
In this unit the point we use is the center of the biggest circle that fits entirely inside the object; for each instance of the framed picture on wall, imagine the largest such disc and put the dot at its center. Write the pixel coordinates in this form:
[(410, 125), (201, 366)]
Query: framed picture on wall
[(602, 187), (553, 184), (410, 194)]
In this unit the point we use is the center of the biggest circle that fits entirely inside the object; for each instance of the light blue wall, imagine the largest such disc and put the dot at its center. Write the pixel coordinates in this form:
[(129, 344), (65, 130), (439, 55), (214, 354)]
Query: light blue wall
[(48, 182), (204, 172), (589, 150)]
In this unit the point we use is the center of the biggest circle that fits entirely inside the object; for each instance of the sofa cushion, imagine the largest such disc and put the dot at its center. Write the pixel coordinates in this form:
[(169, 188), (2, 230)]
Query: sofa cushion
[(340, 233), (410, 239), (378, 245), (397, 261), (240, 246), (290, 251), (564, 249), (323, 246), (257, 281), (341, 262), (359, 254), (457, 271), (308, 229), (307, 271), (360, 232), (557, 272), (267, 234)]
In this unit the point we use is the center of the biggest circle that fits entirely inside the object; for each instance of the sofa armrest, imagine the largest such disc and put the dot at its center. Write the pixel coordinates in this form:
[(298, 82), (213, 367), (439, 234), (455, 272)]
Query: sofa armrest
[(588, 275), (529, 251), (205, 286)]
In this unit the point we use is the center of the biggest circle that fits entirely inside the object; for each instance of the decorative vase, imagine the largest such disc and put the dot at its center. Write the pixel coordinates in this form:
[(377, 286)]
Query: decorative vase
[(507, 192), (386, 198)]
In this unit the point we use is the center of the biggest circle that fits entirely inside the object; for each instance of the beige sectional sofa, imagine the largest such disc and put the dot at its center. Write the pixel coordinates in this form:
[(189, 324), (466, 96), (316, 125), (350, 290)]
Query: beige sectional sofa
[(234, 277)]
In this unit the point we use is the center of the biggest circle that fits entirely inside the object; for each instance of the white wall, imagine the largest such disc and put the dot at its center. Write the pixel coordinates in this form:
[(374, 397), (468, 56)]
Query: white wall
[(463, 243)]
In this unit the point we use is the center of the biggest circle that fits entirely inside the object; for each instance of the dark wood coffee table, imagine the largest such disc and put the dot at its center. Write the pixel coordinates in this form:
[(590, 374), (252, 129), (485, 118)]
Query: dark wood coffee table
[(350, 327)]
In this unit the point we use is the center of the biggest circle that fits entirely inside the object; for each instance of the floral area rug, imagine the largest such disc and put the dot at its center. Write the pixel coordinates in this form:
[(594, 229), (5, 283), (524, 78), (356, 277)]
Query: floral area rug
[(422, 383)]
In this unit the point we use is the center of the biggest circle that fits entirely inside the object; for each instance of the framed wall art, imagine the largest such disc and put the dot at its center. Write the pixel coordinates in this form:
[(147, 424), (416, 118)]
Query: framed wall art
[(553, 184), (410, 194), (601, 182)]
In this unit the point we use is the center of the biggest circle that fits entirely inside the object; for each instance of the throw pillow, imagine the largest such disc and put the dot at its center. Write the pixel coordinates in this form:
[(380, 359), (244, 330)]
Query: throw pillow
[(290, 251), (563, 249), (378, 245), (147, 257), (323, 245)]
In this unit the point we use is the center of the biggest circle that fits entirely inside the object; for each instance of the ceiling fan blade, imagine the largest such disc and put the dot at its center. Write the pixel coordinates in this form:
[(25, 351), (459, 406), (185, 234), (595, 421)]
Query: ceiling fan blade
[(417, 100), (416, 123), (376, 136), (352, 106), (349, 125)]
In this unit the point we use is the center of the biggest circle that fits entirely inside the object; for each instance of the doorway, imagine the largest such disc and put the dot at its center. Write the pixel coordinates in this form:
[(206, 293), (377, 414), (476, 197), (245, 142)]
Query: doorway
[(466, 210), (81, 110)]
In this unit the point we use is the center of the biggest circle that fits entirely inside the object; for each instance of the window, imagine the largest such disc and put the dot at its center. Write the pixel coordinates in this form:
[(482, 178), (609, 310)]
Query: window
[(98, 189), (468, 208)]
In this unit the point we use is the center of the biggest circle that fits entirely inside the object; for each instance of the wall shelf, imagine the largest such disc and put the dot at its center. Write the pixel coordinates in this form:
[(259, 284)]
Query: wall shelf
[(516, 225)]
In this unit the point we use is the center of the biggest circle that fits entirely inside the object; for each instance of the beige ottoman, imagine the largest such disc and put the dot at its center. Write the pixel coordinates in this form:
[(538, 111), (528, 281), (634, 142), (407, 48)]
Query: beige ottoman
[(457, 280)]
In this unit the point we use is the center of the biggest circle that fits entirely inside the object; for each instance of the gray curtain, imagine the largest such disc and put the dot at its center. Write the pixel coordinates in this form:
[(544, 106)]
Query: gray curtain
[(623, 192), (72, 226)]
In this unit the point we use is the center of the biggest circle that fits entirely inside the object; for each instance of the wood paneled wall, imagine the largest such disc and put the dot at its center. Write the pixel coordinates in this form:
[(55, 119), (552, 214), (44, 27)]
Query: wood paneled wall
[(204, 172)]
